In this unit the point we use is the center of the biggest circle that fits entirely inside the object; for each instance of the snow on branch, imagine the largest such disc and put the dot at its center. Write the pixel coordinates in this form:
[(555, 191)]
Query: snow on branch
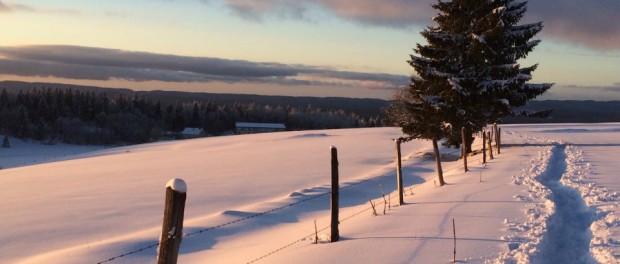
[(443, 36), (454, 82), (435, 72), (499, 10), (533, 43), (479, 38), (508, 66), (421, 59), (431, 99), (523, 76), (485, 85), (524, 30), (538, 86)]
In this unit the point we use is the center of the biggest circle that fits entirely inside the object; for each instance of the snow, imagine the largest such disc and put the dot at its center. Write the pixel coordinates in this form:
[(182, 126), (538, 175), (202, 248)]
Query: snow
[(454, 82), (479, 38), (24, 152), (178, 185), (257, 197), (499, 10)]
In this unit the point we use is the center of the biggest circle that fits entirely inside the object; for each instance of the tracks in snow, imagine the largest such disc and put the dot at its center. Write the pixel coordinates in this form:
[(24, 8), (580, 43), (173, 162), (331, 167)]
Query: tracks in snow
[(568, 236), (558, 219)]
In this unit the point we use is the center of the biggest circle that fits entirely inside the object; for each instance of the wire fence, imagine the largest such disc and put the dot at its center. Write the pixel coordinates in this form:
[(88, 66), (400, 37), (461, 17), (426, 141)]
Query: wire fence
[(367, 180), (367, 209)]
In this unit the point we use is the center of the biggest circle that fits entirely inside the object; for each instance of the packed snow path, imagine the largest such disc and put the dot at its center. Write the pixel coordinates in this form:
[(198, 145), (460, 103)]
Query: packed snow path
[(568, 235)]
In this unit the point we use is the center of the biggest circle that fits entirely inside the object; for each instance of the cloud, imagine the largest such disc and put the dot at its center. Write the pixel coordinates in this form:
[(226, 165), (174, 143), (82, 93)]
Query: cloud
[(4, 8), (592, 24), (392, 13), (87, 63), (255, 10), (11, 8)]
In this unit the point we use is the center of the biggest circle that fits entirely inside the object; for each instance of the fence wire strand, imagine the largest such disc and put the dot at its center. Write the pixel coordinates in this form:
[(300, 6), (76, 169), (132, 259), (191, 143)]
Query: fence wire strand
[(293, 204), (381, 201)]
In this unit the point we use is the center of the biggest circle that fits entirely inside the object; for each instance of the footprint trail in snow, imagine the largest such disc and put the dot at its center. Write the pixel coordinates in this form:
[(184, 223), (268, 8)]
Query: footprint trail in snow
[(568, 236)]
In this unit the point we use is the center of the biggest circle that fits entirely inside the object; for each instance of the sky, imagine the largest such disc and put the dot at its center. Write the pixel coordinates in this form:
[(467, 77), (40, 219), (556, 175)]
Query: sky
[(281, 47)]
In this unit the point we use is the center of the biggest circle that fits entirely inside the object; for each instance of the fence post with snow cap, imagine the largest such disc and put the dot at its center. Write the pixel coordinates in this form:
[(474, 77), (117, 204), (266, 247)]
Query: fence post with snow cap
[(335, 234), (399, 172), (172, 228)]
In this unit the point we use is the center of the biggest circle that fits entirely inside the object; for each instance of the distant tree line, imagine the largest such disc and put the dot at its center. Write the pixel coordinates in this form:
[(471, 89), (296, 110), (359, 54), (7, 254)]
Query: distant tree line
[(86, 117)]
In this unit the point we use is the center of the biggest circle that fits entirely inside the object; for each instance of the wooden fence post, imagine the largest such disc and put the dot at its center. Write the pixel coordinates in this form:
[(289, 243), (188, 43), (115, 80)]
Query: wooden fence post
[(172, 229), (484, 147), (490, 145), (454, 233), (399, 173), (335, 234), (498, 139), (464, 149), (438, 163)]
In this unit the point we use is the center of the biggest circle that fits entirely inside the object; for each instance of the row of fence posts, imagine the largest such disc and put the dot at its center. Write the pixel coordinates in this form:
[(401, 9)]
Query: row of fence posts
[(487, 137), (176, 194)]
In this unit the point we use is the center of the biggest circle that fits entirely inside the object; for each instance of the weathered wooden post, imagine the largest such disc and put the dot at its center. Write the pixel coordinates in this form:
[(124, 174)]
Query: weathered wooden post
[(495, 132), (464, 149), (438, 163), (454, 233), (335, 234), (484, 147), (490, 145), (172, 229), (399, 173), (498, 139)]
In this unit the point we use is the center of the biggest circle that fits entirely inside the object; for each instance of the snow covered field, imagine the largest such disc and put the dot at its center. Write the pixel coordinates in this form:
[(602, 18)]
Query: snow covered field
[(552, 196)]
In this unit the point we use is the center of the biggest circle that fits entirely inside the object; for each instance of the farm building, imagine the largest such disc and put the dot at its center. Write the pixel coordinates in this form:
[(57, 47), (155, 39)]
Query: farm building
[(191, 132), (250, 128)]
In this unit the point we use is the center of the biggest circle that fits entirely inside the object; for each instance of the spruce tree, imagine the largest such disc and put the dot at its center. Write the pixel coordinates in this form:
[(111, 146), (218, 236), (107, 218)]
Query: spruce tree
[(4, 99), (468, 71)]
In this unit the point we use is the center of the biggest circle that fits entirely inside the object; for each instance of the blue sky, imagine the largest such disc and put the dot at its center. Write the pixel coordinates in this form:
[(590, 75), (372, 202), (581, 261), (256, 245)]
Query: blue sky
[(286, 47)]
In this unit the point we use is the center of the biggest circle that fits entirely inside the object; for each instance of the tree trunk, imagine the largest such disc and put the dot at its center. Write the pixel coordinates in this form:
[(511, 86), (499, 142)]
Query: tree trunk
[(469, 140), (438, 161)]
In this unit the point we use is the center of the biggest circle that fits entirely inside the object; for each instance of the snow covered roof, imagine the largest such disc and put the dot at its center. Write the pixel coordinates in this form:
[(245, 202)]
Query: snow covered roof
[(191, 131), (260, 125)]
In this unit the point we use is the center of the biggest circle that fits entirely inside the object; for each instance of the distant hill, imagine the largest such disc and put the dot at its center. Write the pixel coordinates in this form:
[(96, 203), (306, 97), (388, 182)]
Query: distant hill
[(573, 112), (363, 107), (569, 111)]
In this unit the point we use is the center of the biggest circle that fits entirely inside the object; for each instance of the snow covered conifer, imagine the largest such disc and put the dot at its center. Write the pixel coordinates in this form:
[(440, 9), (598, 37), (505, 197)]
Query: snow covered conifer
[(468, 71)]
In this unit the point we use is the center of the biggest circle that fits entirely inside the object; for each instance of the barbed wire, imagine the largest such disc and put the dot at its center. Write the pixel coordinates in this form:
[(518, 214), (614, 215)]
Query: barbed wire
[(129, 253), (381, 201), (286, 206)]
